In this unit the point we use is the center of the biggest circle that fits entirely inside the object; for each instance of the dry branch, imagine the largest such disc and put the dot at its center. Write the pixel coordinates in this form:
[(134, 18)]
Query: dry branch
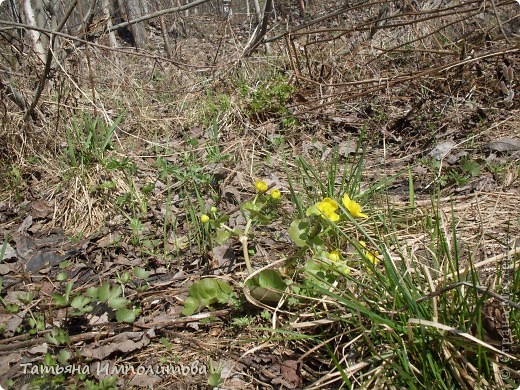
[(99, 46), (261, 29), (157, 14)]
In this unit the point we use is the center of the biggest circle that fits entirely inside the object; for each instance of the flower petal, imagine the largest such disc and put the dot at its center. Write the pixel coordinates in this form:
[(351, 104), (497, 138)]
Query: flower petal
[(331, 202), (353, 207)]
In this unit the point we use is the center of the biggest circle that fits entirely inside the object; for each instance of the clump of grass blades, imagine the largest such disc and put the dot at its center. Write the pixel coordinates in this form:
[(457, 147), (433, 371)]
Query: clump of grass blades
[(406, 322), (403, 342)]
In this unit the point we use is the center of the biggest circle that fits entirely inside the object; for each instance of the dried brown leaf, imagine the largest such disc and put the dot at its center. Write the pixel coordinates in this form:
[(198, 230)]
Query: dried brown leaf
[(124, 342), (505, 144), (41, 209)]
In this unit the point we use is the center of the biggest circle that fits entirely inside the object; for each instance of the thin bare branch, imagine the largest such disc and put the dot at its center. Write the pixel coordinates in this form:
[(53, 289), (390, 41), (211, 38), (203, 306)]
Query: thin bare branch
[(157, 14)]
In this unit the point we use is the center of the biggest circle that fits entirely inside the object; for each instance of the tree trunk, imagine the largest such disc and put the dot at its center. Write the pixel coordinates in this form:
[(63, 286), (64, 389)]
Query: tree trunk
[(111, 35), (258, 11), (133, 11), (164, 32), (34, 36), (260, 29)]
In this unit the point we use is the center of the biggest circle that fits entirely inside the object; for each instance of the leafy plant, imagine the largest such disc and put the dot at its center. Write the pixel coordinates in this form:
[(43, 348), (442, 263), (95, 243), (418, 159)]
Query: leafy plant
[(112, 297), (188, 173), (88, 141), (213, 151), (269, 98), (104, 384), (36, 323), (215, 374), (57, 337), (123, 164), (242, 322), (205, 293)]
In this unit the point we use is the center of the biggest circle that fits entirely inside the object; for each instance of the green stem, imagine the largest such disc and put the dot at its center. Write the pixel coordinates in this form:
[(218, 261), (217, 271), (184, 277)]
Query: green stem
[(243, 240)]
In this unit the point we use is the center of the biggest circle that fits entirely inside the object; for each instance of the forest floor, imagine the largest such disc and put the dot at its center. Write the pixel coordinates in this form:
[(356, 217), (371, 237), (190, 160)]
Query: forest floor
[(103, 235)]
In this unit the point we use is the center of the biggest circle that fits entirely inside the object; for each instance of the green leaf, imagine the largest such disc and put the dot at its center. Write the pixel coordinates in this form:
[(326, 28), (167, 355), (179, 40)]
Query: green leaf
[(11, 308), (79, 302), (92, 292), (62, 276), (312, 210), (63, 357), (320, 273), (25, 297), (114, 293), (471, 167), (222, 219), (68, 288), (313, 266), (117, 303), (57, 337), (124, 278), (191, 305), (222, 235), (298, 231), (262, 286), (253, 206), (215, 379), (270, 278), (210, 288), (126, 315), (141, 273), (103, 292), (60, 300)]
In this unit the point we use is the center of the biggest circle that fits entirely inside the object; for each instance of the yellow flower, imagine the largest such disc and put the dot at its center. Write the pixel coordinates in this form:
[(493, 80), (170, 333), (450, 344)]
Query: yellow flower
[(373, 257), (333, 256), (261, 186), (328, 208), (353, 207), (275, 194), (213, 209), (204, 218)]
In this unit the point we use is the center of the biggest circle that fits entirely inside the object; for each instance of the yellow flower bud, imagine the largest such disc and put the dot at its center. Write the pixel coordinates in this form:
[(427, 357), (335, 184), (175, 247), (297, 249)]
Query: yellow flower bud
[(261, 186), (204, 218), (275, 194), (213, 209), (333, 256)]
